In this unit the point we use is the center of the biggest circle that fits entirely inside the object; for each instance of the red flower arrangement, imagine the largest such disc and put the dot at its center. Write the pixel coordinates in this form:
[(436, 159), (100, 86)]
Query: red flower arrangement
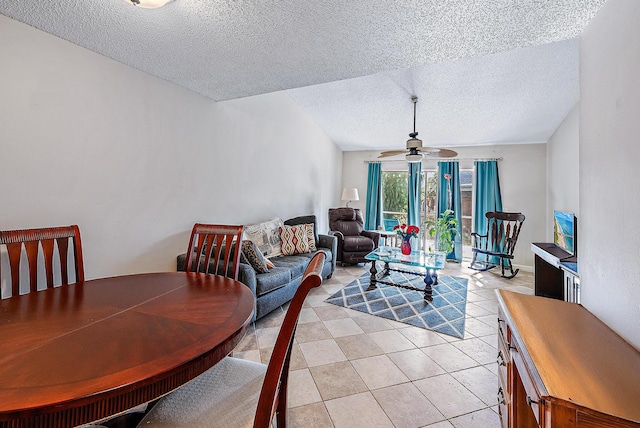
[(407, 231)]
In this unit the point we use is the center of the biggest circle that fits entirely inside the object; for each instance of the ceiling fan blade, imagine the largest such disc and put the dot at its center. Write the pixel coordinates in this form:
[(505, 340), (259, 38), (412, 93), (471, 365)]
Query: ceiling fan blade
[(391, 153), (438, 153)]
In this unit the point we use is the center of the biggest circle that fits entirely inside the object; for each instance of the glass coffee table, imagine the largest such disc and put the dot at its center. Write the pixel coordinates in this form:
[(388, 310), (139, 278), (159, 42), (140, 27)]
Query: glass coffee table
[(430, 263)]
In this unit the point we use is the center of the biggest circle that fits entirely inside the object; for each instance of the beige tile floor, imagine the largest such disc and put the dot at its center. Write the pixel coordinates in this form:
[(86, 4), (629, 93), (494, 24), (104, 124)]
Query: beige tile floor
[(351, 369)]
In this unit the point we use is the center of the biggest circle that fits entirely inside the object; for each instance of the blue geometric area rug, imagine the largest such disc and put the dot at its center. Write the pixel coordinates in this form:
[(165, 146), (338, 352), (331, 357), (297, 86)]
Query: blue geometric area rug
[(445, 314)]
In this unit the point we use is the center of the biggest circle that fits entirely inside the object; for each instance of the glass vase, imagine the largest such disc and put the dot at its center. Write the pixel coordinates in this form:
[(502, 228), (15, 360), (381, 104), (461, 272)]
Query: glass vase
[(405, 247)]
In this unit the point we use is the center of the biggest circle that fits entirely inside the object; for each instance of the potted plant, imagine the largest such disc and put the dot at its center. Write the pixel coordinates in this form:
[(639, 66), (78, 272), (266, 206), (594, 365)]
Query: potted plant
[(444, 230)]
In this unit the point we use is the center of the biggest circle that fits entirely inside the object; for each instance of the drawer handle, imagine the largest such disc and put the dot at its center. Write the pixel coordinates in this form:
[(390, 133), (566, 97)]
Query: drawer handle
[(501, 396), (500, 320), (500, 359), (530, 401)]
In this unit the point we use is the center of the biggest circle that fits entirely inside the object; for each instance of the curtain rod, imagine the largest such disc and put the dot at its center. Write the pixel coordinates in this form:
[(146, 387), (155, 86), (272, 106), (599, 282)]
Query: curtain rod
[(436, 159)]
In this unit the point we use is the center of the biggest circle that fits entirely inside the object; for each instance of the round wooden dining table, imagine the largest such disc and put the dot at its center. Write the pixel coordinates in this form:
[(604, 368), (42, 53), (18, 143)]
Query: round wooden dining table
[(82, 352)]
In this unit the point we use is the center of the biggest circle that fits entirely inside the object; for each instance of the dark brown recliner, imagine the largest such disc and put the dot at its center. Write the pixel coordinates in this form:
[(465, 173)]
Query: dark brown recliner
[(347, 224)]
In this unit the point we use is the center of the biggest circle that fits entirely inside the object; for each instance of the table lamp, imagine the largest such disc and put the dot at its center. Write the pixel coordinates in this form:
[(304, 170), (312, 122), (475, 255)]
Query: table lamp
[(350, 194)]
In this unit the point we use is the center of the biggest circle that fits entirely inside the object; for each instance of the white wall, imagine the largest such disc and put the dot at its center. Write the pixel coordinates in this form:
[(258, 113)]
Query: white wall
[(609, 223), (563, 170), (135, 160), (522, 182)]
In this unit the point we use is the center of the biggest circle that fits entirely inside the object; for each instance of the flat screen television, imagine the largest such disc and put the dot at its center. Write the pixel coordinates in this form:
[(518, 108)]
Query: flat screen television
[(564, 231)]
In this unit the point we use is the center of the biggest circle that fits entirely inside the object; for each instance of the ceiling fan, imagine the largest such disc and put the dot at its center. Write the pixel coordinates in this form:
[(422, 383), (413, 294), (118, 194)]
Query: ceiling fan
[(414, 145)]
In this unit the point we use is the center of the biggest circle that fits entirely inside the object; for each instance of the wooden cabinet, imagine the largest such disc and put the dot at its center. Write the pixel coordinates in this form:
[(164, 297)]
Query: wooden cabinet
[(555, 273), (560, 367)]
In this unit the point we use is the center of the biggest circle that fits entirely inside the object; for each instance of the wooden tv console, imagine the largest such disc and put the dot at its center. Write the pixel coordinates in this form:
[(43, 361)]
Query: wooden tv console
[(559, 367)]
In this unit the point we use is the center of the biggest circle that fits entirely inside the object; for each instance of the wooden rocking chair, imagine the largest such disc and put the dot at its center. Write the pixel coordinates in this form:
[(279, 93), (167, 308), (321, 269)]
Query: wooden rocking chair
[(499, 242)]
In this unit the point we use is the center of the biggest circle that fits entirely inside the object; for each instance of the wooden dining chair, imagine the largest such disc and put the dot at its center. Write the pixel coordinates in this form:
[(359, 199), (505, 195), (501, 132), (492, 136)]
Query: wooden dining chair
[(47, 251), (208, 245), (240, 393)]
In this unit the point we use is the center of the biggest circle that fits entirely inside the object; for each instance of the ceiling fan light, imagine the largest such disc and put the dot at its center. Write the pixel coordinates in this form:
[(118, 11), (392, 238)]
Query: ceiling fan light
[(411, 157), (149, 4)]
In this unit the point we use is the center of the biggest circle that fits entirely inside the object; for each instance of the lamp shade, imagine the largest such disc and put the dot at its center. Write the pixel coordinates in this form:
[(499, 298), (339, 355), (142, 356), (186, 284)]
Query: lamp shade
[(350, 194)]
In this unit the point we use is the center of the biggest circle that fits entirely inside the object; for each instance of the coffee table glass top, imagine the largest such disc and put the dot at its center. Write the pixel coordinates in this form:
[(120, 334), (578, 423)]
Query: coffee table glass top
[(428, 260)]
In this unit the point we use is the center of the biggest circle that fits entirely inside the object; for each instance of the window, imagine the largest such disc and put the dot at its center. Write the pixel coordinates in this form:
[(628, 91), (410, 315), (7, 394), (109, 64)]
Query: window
[(395, 202), (395, 198), (466, 204), (429, 202)]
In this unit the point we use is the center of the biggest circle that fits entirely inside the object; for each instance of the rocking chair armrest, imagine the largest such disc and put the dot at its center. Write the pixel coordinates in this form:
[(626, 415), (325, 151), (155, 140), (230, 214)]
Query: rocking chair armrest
[(478, 240), (477, 235)]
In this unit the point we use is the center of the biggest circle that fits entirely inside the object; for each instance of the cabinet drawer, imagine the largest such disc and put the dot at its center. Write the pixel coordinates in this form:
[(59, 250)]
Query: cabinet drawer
[(531, 396), (502, 325), (503, 408), (503, 359)]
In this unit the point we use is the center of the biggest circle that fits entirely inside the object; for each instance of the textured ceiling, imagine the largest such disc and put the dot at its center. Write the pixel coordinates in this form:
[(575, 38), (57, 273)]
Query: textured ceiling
[(519, 96), (486, 71)]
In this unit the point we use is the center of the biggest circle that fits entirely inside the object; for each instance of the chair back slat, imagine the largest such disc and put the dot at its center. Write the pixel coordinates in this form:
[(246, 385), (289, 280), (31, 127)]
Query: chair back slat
[(273, 396), (217, 245), (47, 251), (32, 258), (14, 251), (31, 241), (63, 250), (502, 231)]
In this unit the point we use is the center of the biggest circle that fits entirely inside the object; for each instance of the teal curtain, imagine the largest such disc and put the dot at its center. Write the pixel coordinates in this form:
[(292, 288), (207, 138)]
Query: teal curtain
[(413, 216), (488, 197), (373, 215), (449, 198)]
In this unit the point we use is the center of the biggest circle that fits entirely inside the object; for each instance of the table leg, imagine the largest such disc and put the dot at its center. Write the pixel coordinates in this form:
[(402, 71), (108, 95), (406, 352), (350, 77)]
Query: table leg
[(372, 278), (386, 270), (428, 282)]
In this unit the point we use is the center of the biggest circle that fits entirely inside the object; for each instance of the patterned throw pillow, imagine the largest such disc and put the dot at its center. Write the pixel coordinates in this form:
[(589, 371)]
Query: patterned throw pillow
[(294, 239), (266, 236), (270, 264), (311, 236), (252, 256)]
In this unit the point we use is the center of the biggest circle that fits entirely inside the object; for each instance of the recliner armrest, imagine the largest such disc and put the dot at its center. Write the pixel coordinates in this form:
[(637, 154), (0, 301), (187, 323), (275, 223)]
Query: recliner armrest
[(375, 236), (337, 234)]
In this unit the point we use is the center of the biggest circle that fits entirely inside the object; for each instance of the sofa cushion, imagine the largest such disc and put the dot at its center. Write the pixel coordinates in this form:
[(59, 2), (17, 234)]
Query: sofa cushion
[(358, 243), (328, 254), (277, 277), (252, 256), (295, 239), (296, 264), (266, 236)]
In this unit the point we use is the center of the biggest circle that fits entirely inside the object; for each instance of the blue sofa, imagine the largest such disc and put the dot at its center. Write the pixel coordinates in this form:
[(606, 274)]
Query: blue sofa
[(277, 287)]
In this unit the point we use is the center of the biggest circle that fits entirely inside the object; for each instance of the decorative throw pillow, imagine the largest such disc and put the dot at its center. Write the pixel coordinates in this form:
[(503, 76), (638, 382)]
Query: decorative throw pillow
[(311, 236), (252, 256), (266, 236), (294, 240), (269, 263)]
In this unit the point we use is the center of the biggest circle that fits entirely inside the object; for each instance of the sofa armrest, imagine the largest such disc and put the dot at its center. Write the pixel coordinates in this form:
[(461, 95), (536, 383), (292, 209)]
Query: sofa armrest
[(373, 235), (247, 276), (330, 242)]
